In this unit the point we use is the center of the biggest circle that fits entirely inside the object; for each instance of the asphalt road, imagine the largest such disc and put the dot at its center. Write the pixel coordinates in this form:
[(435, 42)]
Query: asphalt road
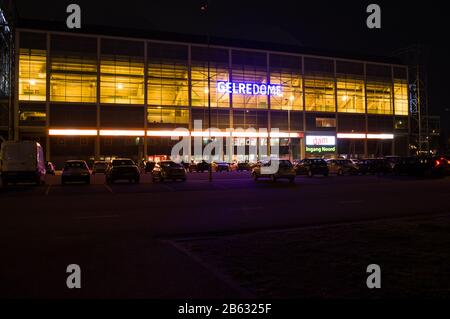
[(120, 234)]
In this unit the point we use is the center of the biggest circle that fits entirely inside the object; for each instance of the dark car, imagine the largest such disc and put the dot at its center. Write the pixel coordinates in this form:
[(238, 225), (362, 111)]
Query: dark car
[(166, 170), (363, 167), (49, 168), (377, 166), (342, 166), (421, 166), (149, 166), (220, 167), (122, 169), (202, 166), (243, 166), (311, 167), (75, 171)]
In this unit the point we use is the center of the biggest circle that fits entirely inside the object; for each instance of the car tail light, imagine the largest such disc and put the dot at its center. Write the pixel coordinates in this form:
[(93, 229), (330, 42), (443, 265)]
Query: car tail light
[(437, 163)]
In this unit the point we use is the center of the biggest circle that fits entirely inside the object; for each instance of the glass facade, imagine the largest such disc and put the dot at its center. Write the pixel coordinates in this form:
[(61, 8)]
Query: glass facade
[(379, 97), (73, 79), (32, 75), (169, 82), (319, 94), (401, 103), (350, 95)]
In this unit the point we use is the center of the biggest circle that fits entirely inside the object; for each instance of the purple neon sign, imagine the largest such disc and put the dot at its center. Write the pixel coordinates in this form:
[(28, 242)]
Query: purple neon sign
[(249, 88)]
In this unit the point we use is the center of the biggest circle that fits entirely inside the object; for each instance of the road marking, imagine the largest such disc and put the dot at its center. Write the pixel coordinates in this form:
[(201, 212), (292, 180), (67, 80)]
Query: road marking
[(48, 189), (351, 202), (109, 188), (97, 216)]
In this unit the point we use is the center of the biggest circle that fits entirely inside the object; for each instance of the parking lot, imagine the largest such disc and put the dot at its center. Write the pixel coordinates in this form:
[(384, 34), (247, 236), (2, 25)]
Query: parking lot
[(123, 234)]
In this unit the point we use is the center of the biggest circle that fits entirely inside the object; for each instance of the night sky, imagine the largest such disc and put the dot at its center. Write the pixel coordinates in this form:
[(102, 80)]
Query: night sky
[(331, 25)]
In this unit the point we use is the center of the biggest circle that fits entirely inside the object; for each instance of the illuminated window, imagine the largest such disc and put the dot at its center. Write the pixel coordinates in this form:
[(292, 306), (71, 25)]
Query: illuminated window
[(249, 67), (291, 83), (401, 97), (167, 84), (325, 122), (73, 79), (162, 115), (122, 80), (319, 94), (379, 97), (32, 75), (350, 95), (199, 76)]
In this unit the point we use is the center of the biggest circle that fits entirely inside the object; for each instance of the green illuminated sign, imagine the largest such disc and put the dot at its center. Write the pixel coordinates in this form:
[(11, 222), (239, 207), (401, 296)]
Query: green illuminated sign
[(320, 149)]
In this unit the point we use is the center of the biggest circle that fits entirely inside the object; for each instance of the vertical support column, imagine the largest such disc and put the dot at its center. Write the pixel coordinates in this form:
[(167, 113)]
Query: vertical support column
[(190, 101), (269, 110), (408, 140), (303, 146), (365, 113), (393, 111), (47, 97), (16, 88), (145, 100), (336, 108), (97, 138), (230, 96)]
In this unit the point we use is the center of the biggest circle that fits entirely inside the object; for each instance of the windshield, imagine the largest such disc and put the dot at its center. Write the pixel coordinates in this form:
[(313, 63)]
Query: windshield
[(75, 165), (170, 164), (122, 162), (100, 164)]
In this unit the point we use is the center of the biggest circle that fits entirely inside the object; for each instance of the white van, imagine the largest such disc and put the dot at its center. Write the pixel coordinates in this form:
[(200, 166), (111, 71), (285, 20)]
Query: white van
[(22, 162)]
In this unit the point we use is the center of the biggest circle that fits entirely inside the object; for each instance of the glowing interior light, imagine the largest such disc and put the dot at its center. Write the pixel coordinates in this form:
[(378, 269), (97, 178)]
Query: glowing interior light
[(291, 98), (32, 82), (71, 132), (345, 98), (351, 135), (122, 133), (206, 90), (381, 136), (119, 86), (167, 133)]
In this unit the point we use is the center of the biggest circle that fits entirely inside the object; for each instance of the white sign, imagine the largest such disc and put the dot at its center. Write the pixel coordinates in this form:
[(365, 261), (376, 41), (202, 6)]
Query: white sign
[(320, 140)]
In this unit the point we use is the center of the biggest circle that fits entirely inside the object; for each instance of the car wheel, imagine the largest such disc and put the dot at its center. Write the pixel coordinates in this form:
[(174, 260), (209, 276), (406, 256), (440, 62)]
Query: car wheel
[(292, 180), (137, 180), (310, 174), (325, 174), (255, 177), (183, 179), (4, 182), (161, 179), (273, 178), (88, 181)]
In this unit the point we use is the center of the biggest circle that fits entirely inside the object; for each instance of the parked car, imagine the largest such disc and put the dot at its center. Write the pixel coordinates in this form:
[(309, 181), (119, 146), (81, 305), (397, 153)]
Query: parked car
[(122, 169), (243, 166), (342, 166), (99, 167), (149, 166), (285, 171), (22, 162), (220, 166), (75, 171), (363, 167), (421, 166), (201, 167), (166, 170), (377, 166), (49, 168), (311, 167), (392, 161)]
